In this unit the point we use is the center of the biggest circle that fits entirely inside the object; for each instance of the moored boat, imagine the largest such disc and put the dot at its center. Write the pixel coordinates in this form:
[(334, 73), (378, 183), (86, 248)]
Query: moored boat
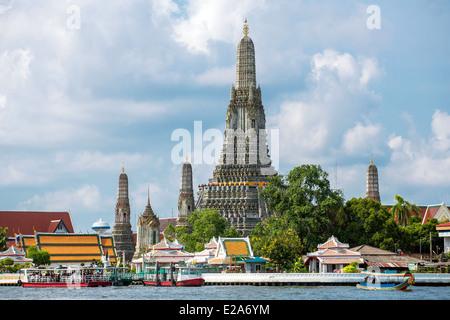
[(178, 276), (72, 277), (386, 281)]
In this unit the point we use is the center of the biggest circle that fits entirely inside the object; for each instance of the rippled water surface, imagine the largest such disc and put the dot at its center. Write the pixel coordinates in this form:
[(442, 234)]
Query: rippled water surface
[(222, 293)]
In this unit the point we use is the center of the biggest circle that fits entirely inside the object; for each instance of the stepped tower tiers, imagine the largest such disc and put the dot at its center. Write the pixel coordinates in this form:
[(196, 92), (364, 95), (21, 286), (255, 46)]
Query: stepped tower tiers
[(147, 229), (372, 190), (186, 202), (244, 165), (122, 233)]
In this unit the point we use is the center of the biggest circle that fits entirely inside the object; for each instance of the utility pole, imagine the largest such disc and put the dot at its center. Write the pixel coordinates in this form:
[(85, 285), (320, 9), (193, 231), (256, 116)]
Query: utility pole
[(431, 250)]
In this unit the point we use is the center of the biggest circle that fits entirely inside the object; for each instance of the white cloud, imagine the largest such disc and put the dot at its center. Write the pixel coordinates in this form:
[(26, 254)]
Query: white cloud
[(361, 139), (440, 126), (216, 76), (85, 198), (206, 21), (317, 122), (419, 161)]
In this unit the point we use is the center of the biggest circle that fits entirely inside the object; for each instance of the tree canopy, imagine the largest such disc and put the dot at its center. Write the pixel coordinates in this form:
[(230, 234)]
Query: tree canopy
[(203, 225), (305, 201)]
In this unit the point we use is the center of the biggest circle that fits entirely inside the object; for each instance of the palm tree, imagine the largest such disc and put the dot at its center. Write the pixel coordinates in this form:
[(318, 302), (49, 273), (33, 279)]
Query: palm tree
[(402, 210)]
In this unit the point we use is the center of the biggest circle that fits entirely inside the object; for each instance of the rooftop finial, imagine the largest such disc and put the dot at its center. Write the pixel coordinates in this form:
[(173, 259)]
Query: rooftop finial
[(245, 27), (123, 167), (371, 159)]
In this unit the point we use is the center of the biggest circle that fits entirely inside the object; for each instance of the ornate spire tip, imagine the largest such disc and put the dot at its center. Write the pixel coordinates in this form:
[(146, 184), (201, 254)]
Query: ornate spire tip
[(245, 28)]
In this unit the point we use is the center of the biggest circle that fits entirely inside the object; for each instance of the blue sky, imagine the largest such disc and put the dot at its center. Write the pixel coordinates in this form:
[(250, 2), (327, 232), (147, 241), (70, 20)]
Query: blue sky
[(86, 86)]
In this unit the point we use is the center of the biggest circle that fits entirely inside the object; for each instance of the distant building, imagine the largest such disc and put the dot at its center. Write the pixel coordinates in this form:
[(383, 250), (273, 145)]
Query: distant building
[(16, 255), (186, 202), (26, 222), (123, 235), (440, 212), (331, 256), (245, 164), (444, 232), (372, 186), (71, 248), (232, 252), (378, 259), (148, 229)]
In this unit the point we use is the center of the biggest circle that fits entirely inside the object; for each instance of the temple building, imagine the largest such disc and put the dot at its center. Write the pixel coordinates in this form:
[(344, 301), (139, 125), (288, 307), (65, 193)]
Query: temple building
[(122, 233), (186, 202), (71, 248), (244, 164), (372, 188), (330, 256), (147, 229)]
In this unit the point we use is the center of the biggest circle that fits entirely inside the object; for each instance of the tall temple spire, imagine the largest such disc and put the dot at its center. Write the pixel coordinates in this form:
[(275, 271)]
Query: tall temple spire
[(186, 202), (147, 228), (244, 164), (122, 233), (372, 187), (245, 65)]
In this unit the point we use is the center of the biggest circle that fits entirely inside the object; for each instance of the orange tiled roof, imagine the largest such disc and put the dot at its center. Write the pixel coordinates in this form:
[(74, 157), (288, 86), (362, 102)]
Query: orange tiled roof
[(66, 248), (68, 239), (236, 248), (52, 250)]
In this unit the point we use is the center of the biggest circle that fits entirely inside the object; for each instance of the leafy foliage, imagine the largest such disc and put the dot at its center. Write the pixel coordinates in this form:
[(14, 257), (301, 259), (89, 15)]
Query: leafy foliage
[(3, 239), (306, 203), (203, 225), (276, 241), (40, 257), (402, 210)]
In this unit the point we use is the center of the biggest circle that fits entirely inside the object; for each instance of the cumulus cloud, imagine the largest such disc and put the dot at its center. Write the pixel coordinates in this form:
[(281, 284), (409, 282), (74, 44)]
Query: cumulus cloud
[(318, 120), (421, 161), (85, 198), (207, 21), (361, 139)]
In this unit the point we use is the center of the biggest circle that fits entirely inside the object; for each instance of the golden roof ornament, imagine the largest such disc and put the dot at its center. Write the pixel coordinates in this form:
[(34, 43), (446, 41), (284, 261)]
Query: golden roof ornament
[(245, 28), (123, 167), (371, 159)]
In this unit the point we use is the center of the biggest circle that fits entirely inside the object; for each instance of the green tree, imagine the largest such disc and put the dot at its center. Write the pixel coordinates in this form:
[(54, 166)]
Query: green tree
[(40, 257), (365, 221), (402, 210), (3, 238), (306, 202), (203, 225), (273, 239)]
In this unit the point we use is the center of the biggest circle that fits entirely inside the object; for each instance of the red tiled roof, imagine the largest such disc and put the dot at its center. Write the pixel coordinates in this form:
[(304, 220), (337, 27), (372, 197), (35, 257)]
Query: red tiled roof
[(164, 222), (24, 221)]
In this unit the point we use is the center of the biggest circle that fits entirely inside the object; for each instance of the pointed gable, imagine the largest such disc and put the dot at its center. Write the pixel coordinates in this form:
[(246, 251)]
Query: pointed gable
[(26, 222), (331, 243), (231, 248)]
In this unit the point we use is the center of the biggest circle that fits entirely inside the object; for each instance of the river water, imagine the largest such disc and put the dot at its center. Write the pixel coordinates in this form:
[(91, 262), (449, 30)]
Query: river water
[(138, 292), (220, 302)]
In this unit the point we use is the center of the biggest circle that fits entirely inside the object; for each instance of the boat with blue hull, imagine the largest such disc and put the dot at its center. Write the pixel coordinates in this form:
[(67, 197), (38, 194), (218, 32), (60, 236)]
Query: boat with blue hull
[(386, 281)]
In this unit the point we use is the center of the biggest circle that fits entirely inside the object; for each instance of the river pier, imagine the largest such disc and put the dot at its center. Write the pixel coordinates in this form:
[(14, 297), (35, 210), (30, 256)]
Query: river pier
[(277, 279)]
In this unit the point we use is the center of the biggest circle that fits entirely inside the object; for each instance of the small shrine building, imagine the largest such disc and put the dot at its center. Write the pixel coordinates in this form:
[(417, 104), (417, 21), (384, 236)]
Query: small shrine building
[(331, 256)]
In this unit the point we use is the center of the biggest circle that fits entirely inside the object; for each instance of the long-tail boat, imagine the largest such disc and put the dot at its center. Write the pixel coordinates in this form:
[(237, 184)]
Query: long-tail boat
[(386, 281)]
